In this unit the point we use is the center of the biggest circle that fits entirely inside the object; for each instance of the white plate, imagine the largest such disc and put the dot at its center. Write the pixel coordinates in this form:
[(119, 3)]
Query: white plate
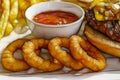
[(112, 71), (95, 76)]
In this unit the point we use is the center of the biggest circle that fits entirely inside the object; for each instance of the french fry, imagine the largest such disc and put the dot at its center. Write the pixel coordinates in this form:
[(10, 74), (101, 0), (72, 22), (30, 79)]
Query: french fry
[(8, 29), (13, 15), (14, 10), (36, 1), (4, 17), (23, 4), (0, 7), (33, 1)]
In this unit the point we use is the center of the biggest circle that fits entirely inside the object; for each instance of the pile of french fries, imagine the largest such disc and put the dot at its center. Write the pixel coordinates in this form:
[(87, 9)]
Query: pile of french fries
[(12, 15)]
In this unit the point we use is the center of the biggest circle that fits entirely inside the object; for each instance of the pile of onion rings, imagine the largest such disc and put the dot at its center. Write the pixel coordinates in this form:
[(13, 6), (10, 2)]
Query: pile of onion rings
[(74, 52)]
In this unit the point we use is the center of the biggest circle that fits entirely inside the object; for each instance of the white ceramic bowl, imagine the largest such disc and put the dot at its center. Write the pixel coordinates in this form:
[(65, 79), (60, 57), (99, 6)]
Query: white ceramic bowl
[(50, 31)]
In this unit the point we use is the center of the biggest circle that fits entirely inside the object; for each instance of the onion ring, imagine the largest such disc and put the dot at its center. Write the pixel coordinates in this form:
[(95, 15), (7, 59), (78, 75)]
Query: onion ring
[(63, 56), (9, 62), (36, 61), (87, 54)]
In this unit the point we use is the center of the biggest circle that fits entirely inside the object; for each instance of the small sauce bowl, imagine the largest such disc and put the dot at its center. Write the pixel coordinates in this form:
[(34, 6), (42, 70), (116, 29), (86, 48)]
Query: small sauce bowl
[(49, 31)]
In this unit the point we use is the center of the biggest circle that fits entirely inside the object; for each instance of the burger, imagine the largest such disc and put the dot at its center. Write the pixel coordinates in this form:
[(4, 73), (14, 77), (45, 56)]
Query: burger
[(103, 26)]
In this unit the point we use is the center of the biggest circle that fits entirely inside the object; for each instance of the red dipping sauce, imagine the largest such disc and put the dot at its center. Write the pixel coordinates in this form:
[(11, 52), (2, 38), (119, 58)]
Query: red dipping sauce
[(55, 17)]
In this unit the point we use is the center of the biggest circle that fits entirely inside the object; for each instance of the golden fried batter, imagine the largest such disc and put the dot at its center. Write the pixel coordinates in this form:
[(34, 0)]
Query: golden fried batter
[(9, 62), (30, 56), (87, 54), (55, 47)]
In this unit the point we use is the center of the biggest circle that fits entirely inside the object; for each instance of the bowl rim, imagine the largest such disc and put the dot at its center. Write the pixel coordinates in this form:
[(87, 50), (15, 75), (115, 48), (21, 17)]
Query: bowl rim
[(61, 25)]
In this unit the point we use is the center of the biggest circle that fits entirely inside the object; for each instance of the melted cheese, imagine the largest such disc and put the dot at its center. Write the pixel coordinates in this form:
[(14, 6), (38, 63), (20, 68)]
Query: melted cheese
[(95, 2)]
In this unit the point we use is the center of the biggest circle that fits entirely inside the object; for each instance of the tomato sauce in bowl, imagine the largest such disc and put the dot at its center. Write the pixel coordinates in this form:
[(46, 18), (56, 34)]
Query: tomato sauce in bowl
[(55, 17), (65, 19)]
